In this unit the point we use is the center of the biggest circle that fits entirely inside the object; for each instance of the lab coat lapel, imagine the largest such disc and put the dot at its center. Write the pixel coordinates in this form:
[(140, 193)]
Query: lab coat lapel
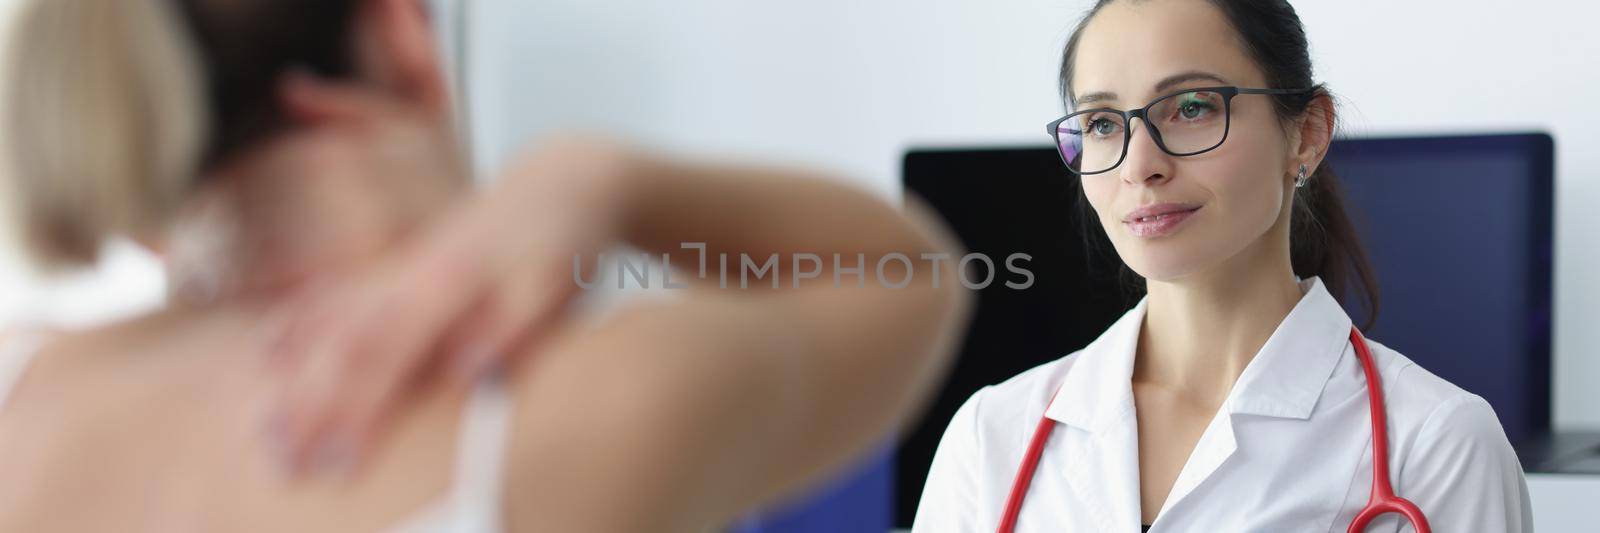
[(1095, 405), (1284, 380), (1098, 433), (1215, 446), (1103, 473)]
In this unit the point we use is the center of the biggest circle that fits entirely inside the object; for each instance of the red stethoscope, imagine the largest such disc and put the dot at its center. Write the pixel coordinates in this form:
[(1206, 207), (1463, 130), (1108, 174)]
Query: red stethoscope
[(1382, 500)]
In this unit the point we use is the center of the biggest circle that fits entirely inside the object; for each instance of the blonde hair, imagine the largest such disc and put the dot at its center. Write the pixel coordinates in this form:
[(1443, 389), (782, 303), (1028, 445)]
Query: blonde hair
[(105, 120)]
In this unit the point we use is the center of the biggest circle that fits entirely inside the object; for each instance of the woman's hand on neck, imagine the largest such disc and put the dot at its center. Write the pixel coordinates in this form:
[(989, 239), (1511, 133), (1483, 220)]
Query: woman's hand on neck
[(364, 160), (328, 196)]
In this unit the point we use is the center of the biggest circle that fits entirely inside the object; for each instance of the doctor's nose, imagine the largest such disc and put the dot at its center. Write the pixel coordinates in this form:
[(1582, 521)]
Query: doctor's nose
[(1145, 162)]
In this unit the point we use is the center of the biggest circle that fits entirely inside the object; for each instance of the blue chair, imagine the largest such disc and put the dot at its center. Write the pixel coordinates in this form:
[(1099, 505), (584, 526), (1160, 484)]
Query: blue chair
[(859, 502)]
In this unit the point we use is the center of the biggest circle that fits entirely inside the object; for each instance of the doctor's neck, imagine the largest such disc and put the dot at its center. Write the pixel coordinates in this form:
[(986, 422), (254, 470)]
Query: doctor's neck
[(1200, 331)]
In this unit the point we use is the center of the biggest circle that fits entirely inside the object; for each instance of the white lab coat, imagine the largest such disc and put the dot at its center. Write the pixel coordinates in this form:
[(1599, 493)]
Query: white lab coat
[(1289, 451)]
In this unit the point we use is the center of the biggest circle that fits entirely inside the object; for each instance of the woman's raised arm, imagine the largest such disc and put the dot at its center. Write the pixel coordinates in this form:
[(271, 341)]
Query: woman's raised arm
[(680, 413)]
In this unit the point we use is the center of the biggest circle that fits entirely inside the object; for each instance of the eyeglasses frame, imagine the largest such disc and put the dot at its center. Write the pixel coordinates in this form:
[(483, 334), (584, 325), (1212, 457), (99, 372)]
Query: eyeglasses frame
[(1228, 92)]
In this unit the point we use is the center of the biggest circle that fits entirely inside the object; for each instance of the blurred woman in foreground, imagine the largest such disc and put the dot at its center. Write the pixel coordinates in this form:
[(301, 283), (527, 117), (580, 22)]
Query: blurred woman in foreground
[(405, 341)]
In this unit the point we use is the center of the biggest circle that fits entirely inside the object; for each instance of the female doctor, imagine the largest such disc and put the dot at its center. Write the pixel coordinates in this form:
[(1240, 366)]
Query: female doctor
[(1235, 396)]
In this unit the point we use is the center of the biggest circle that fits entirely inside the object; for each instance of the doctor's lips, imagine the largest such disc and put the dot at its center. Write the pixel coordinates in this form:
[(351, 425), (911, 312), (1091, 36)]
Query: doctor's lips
[(1158, 220)]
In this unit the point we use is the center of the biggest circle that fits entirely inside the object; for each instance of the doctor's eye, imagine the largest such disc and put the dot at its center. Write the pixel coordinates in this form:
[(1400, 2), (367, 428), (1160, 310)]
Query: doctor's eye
[(1190, 107), (1101, 126)]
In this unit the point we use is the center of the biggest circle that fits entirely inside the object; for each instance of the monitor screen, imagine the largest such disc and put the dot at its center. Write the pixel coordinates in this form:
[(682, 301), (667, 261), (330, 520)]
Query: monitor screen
[(1458, 230)]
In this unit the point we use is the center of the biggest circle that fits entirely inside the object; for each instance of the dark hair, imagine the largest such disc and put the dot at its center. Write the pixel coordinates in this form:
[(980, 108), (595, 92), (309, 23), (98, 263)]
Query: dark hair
[(126, 102), (244, 48), (1323, 242)]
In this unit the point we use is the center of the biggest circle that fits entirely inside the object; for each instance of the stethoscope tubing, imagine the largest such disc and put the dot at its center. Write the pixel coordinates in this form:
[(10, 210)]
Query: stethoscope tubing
[(1381, 501)]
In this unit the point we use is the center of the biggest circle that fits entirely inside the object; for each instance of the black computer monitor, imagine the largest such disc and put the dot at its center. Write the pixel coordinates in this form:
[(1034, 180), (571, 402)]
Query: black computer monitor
[(1458, 230)]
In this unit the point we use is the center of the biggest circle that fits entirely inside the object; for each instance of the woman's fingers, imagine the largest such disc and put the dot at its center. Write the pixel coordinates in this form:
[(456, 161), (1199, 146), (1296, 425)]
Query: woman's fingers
[(509, 322), (292, 324), (467, 291), (307, 442), (355, 362)]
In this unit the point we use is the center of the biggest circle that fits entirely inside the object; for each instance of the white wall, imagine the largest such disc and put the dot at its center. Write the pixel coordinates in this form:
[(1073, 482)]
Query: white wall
[(848, 84)]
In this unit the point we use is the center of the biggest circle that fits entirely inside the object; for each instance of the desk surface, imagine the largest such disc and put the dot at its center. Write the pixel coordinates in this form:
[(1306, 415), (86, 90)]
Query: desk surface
[(1563, 502)]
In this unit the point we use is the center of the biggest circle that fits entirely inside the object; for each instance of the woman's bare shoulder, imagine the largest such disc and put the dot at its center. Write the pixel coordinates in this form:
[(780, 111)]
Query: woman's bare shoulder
[(131, 393), (92, 372)]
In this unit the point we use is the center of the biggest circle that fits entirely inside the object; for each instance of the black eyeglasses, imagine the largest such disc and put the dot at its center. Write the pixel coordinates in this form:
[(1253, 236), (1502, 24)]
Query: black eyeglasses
[(1185, 123)]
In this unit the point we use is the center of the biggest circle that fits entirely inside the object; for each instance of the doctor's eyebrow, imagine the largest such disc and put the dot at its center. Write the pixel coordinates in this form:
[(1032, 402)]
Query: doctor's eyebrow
[(1161, 87)]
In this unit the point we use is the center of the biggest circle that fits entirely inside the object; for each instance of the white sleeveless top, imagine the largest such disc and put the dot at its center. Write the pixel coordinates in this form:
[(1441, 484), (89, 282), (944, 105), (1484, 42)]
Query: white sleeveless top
[(472, 503)]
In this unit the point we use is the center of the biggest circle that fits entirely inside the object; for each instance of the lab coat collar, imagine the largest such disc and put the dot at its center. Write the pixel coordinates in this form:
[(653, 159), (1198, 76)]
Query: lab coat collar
[(1284, 379), (1098, 388)]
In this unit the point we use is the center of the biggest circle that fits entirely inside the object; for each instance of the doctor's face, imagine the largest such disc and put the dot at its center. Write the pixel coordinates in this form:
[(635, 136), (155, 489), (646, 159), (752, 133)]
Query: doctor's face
[(1225, 205)]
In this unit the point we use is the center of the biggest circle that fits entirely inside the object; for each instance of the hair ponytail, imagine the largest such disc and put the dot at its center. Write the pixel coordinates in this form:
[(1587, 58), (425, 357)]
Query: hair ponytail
[(1323, 242)]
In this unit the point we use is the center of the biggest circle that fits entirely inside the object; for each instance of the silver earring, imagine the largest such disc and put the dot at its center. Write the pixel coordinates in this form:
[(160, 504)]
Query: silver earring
[(1301, 179)]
